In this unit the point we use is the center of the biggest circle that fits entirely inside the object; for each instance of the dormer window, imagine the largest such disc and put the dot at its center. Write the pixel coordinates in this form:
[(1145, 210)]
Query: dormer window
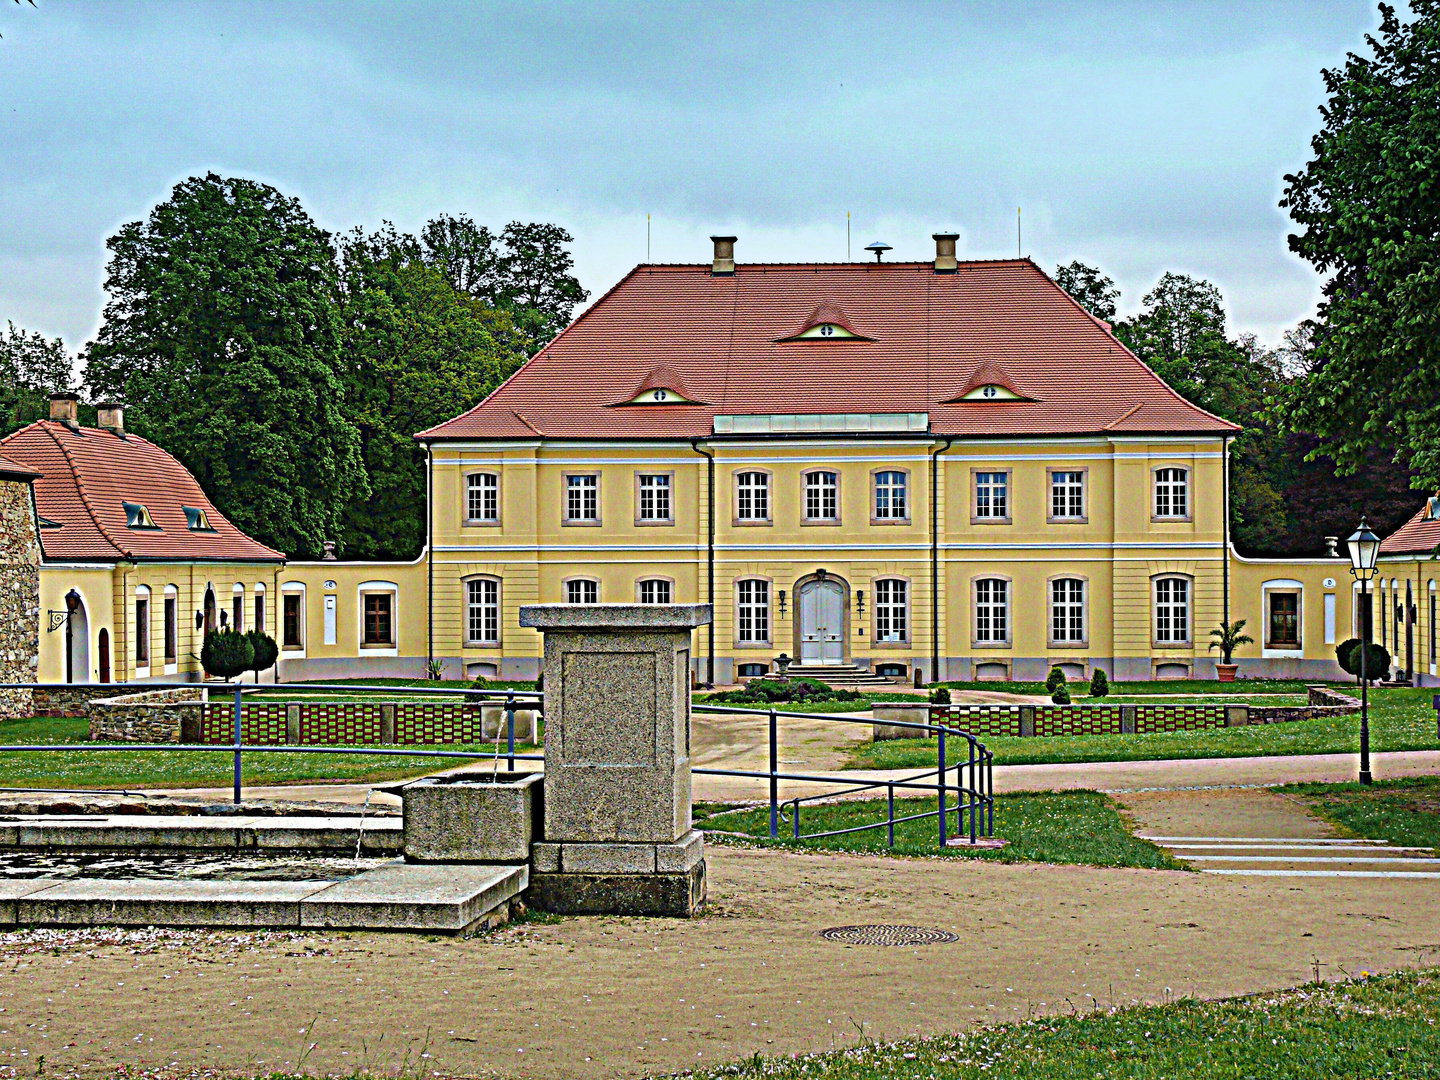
[(828, 322), (989, 382), (659, 396), (826, 330), (991, 392), (137, 517), (196, 520), (664, 385)]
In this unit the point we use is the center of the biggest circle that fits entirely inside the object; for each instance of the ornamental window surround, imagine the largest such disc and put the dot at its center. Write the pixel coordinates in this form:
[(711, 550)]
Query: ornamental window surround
[(822, 496), (1172, 611), (892, 502), (1067, 495), (992, 496), (582, 499), (752, 611), (992, 611), (752, 497), (892, 621), (482, 611), (1172, 494), (1067, 611), (482, 498), (653, 499)]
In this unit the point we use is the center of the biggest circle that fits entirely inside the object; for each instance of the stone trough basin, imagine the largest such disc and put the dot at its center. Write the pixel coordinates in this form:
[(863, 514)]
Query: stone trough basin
[(472, 816)]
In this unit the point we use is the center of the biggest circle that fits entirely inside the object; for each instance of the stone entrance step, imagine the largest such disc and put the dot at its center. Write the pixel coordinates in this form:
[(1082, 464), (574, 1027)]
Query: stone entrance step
[(847, 675), (375, 835), (431, 898)]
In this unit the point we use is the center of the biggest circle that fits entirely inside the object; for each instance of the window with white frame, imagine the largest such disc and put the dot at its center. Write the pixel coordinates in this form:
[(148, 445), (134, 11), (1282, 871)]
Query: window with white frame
[(752, 611), (654, 491), (655, 591), (142, 627), (1067, 494), (752, 496), (891, 503), (482, 611), (891, 616), (582, 498), (992, 610), (1172, 611), (1067, 611), (992, 495), (1172, 493), (582, 591), (482, 497), (822, 502)]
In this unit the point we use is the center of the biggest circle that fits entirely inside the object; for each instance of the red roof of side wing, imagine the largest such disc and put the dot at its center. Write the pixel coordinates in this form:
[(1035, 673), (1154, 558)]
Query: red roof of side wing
[(930, 334), (1418, 536), (86, 477)]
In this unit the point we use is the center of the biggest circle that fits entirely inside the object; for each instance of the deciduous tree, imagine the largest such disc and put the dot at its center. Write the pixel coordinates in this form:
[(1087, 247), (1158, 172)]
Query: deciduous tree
[(32, 367)]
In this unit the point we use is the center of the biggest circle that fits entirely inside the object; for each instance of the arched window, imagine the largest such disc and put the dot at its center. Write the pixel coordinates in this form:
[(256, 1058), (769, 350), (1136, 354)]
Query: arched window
[(892, 609), (654, 591), (822, 496), (892, 501), (582, 591), (482, 611), (142, 626), (752, 611), (752, 497), (992, 611), (1172, 611), (1067, 611), (1172, 493)]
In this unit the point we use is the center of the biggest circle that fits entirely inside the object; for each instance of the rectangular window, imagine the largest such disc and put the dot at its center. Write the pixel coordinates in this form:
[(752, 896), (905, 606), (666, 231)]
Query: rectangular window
[(172, 628), (891, 623), (655, 591), (237, 612), (822, 496), (1329, 618), (992, 610), (379, 628), (752, 496), (1067, 611), (582, 498), (142, 631), (291, 603), (482, 497), (482, 611), (752, 617), (1067, 494), (1432, 635), (890, 497), (1172, 611), (992, 498), (1172, 493), (655, 498), (260, 612), (1284, 619), (582, 592)]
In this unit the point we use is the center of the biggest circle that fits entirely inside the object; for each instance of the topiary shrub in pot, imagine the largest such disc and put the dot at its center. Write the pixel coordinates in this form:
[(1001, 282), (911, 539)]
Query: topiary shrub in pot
[(1099, 684), (226, 654), (1054, 679)]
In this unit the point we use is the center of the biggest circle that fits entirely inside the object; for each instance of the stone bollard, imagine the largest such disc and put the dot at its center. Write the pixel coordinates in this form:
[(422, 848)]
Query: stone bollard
[(617, 833)]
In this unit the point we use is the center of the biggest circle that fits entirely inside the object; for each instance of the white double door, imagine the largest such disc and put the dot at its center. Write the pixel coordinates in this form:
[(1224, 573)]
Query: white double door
[(822, 622)]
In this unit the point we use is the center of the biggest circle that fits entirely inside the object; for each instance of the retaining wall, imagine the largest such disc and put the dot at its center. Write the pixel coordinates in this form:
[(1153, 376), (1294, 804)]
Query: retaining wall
[(152, 716)]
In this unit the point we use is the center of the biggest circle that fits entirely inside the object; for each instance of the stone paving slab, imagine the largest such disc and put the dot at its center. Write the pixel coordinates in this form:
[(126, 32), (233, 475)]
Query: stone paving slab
[(12, 891), (415, 896), (145, 902), (381, 836)]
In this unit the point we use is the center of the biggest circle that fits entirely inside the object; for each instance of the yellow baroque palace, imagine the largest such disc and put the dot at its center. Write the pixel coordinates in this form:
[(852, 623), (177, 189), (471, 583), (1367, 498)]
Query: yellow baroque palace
[(928, 471)]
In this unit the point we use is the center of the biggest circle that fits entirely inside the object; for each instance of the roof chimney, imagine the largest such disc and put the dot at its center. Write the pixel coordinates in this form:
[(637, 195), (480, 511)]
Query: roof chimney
[(112, 417), (724, 264), (65, 407), (945, 261)]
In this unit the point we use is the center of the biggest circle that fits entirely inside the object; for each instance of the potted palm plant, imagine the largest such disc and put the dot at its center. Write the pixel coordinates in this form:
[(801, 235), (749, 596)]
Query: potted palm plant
[(1228, 638)]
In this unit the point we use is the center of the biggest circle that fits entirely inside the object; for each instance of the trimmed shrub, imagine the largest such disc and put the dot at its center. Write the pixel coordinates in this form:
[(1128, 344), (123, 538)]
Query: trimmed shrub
[(1377, 659), (226, 654), (771, 691), (480, 683), (940, 696), (1061, 694), (1054, 679), (265, 650), (1099, 684)]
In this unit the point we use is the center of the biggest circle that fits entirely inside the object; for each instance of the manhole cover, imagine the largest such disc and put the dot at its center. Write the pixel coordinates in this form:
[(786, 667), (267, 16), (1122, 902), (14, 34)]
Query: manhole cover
[(888, 935)]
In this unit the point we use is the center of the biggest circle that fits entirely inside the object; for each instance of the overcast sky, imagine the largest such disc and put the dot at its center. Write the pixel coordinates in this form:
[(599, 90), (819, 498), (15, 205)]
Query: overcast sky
[(1141, 137)]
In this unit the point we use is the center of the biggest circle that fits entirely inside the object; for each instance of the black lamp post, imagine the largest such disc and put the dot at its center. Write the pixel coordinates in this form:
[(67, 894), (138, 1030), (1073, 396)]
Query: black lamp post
[(1364, 548)]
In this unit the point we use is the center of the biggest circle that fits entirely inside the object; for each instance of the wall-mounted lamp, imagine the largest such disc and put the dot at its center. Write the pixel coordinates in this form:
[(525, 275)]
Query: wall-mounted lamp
[(781, 597), (199, 619), (859, 601), (222, 620)]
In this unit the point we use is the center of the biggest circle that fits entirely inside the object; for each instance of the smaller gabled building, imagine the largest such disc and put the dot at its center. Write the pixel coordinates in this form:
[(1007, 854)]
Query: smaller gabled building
[(136, 564), (1405, 602)]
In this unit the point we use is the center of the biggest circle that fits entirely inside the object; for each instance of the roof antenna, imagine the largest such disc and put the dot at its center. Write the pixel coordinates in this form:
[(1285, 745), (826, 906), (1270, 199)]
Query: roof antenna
[(879, 247), (847, 236), (1017, 233), (647, 239)]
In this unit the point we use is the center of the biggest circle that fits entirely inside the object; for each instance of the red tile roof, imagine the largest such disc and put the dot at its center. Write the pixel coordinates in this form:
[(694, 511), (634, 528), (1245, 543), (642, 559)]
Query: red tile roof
[(13, 470), (87, 476), (931, 333), (1418, 536)]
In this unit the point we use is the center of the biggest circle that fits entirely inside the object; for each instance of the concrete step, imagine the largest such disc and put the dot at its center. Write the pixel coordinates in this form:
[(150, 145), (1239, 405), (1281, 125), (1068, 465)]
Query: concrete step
[(840, 675), (1300, 857)]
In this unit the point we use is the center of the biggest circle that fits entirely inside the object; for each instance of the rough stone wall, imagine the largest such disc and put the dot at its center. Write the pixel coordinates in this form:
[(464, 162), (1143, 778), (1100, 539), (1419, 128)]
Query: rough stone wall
[(157, 716), (1324, 695), (19, 595), (49, 701)]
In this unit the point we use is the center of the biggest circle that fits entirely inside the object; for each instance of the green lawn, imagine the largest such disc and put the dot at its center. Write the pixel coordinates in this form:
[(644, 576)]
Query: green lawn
[(1056, 827), (1169, 687), (164, 769), (1375, 1027), (1405, 812), (1400, 719), (867, 700)]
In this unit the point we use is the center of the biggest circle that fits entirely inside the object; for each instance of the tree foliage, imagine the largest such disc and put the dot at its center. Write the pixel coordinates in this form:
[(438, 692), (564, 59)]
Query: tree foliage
[(1369, 207), (1089, 288), (31, 369), (222, 337), (416, 351), (227, 653)]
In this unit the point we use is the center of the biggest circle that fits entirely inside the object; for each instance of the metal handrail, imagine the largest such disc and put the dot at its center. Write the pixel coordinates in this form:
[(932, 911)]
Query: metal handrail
[(974, 797)]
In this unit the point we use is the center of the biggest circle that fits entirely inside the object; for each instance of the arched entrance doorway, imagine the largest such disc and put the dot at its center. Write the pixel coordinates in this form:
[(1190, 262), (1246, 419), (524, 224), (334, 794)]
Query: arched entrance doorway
[(822, 620), (210, 617), (104, 655), (77, 639)]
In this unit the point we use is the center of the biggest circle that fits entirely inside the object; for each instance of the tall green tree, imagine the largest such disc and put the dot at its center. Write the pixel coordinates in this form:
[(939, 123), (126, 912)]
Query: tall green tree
[(416, 351), (527, 270), (32, 367), (222, 336), (1368, 204), (1089, 288)]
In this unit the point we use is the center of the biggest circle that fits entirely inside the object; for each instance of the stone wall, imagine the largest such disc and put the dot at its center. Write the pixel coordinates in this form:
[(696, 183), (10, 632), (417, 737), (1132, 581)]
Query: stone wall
[(65, 701), (19, 595), (155, 716)]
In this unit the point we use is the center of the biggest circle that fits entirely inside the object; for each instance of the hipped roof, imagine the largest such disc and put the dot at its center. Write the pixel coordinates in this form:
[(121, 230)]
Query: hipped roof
[(931, 334), (1418, 536)]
